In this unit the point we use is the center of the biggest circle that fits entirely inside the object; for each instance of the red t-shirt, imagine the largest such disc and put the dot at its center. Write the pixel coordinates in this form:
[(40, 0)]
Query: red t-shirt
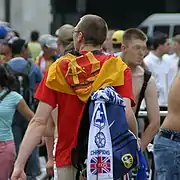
[(70, 110)]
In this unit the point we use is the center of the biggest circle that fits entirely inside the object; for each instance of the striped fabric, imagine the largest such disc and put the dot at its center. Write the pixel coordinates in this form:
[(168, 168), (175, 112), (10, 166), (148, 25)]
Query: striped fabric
[(81, 75)]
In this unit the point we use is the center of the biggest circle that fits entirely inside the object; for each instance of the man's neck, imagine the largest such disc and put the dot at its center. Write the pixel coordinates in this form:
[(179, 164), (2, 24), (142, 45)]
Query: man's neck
[(90, 48), (157, 53), (133, 68)]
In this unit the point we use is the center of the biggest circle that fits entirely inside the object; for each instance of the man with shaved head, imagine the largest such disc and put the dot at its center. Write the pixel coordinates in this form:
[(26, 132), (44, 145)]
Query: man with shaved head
[(68, 84)]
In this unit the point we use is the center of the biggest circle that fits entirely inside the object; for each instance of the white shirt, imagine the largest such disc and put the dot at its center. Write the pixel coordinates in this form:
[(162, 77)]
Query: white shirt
[(173, 61), (160, 69)]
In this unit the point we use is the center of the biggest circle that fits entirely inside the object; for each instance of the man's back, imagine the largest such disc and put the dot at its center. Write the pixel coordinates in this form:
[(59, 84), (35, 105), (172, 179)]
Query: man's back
[(172, 119), (160, 69), (150, 97), (137, 80), (35, 49), (70, 107)]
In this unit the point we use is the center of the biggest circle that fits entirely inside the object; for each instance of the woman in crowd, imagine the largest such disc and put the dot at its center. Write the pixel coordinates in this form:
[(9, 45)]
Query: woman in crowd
[(10, 101)]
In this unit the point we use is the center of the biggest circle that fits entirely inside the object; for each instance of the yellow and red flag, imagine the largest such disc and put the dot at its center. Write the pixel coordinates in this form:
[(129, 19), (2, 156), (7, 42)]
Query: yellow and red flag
[(81, 75)]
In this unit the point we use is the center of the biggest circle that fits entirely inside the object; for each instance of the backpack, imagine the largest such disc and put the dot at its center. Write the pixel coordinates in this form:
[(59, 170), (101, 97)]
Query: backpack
[(124, 143), (147, 76), (22, 85)]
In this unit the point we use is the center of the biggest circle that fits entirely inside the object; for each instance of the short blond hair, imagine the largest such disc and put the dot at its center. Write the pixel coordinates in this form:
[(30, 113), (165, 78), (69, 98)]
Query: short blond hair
[(133, 33)]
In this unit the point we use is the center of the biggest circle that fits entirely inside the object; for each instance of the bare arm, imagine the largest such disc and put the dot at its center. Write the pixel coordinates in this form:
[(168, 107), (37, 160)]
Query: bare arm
[(33, 134), (50, 147), (132, 123), (174, 100), (50, 127), (153, 114), (23, 108)]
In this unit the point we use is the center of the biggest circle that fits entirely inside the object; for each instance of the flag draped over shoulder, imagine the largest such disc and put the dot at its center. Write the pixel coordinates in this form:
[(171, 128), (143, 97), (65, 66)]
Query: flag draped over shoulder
[(82, 75)]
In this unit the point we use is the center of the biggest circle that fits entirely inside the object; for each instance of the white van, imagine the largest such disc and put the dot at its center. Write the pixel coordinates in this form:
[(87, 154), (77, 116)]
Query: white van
[(168, 23)]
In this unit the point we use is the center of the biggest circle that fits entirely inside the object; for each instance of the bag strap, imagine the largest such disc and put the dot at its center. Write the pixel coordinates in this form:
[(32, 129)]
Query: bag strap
[(8, 68), (27, 68), (4, 95), (78, 153), (147, 76)]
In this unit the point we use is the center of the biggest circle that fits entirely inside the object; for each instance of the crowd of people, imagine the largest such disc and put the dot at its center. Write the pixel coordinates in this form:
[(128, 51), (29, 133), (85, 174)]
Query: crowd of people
[(45, 84)]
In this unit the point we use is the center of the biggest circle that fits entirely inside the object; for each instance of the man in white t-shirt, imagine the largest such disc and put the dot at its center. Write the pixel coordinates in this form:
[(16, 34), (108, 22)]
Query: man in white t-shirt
[(159, 67), (174, 58)]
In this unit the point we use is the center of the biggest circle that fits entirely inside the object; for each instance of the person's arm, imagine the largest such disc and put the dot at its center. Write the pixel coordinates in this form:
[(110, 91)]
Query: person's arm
[(126, 91), (153, 114), (23, 108), (37, 125), (50, 161), (131, 119), (50, 128), (33, 134), (50, 133), (49, 140), (50, 147)]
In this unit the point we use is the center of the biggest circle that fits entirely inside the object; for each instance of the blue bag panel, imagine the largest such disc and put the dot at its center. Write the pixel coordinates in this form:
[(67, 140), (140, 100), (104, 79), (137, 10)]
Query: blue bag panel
[(124, 155), (117, 120), (124, 143)]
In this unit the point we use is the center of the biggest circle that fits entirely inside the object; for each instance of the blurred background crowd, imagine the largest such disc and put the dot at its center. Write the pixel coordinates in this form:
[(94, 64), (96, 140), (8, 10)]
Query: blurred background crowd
[(41, 31)]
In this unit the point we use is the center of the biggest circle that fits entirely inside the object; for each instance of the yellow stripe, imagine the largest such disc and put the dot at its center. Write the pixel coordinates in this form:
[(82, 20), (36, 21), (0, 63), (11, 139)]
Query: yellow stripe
[(75, 68), (74, 71), (95, 63)]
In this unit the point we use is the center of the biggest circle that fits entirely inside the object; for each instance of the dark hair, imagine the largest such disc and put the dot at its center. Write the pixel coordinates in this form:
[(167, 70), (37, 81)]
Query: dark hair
[(159, 38), (34, 36), (18, 45), (149, 42), (6, 79), (94, 29)]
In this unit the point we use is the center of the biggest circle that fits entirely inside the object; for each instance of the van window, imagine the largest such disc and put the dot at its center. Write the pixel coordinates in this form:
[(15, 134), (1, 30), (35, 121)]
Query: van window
[(176, 30), (163, 29), (144, 29)]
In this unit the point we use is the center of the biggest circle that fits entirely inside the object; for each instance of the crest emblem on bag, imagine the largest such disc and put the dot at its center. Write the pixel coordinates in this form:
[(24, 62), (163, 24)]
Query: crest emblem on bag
[(127, 160)]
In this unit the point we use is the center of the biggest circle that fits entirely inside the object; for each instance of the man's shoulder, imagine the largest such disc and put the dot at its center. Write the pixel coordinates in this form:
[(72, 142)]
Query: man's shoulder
[(150, 58), (147, 58), (140, 69)]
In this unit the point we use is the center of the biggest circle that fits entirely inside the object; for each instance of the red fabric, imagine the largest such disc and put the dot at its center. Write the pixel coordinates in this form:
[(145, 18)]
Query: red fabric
[(70, 110), (126, 90)]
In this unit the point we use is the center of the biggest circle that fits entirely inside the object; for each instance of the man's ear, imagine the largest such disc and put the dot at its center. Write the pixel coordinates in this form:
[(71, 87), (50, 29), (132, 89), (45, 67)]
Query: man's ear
[(123, 48), (80, 37)]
